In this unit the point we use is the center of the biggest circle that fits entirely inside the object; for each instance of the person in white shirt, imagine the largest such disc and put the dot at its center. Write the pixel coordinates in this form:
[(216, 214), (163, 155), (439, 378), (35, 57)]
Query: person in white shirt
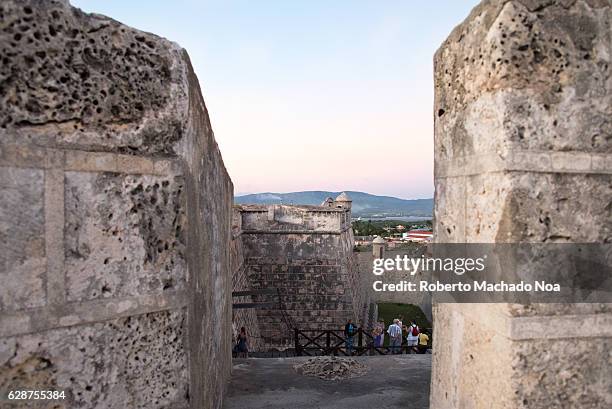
[(413, 337), (395, 337)]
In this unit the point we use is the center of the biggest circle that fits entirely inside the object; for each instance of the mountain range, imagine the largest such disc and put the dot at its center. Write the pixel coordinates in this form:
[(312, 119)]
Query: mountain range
[(364, 204)]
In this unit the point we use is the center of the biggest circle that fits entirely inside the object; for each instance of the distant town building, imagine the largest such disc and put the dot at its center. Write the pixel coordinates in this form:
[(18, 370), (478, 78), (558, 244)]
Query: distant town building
[(418, 235), (363, 240)]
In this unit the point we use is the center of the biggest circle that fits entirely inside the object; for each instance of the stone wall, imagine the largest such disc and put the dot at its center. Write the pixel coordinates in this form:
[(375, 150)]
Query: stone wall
[(114, 216), (306, 252), (421, 299), (523, 154), (246, 317)]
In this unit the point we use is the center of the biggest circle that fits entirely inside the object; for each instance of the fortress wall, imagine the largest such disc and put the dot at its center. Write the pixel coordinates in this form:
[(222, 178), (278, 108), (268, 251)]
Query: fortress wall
[(421, 299), (240, 282), (315, 271), (286, 217), (523, 154), (114, 216)]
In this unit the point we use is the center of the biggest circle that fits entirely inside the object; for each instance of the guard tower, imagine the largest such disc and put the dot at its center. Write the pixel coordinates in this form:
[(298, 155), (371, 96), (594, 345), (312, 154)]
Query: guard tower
[(378, 247), (343, 201)]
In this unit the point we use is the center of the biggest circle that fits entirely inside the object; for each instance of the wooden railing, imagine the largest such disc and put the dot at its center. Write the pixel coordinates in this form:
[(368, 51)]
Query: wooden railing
[(334, 342)]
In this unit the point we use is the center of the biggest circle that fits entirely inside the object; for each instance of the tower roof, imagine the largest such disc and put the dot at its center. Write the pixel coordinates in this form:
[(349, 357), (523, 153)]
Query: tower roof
[(343, 197), (379, 240), (327, 202)]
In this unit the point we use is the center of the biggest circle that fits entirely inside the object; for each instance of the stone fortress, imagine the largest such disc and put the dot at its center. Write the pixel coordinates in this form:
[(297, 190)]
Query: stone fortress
[(306, 252), (120, 248)]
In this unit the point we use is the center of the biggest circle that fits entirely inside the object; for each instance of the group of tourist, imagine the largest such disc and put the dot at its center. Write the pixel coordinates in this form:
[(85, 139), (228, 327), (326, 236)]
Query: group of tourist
[(417, 339)]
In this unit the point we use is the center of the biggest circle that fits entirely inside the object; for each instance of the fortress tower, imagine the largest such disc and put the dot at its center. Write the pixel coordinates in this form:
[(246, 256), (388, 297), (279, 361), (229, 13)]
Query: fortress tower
[(306, 252), (343, 201)]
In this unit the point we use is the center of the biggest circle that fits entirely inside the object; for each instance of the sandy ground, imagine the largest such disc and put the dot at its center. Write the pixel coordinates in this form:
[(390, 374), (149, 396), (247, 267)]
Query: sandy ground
[(391, 382)]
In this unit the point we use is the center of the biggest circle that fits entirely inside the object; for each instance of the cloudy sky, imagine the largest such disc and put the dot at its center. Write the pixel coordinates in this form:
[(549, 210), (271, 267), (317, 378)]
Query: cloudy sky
[(313, 94)]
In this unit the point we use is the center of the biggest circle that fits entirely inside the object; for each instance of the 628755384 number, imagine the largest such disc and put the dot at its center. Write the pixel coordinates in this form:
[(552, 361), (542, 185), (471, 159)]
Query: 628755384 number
[(36, 395)]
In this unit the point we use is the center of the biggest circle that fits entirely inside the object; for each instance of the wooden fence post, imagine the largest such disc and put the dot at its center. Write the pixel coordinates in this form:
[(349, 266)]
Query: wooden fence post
[(298, 350)]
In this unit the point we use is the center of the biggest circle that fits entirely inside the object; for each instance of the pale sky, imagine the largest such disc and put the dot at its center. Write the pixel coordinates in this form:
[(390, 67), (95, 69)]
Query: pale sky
[(311, 95)]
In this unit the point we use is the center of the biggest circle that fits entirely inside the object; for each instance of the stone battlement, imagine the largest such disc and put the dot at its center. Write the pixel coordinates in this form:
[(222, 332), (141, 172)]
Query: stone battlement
[(293, 219)]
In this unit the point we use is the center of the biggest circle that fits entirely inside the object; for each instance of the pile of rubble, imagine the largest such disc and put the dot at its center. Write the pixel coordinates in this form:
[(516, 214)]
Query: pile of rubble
[(331, 368)]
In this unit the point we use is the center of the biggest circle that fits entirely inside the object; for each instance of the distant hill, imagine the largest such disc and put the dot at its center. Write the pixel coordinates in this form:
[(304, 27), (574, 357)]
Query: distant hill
[(364, 204)]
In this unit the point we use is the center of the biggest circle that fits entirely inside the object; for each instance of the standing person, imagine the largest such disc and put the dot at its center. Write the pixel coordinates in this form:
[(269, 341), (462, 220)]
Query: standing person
[(413, 337), (395, 337), (423, 341), (349, 333), (376, 334), (381, 340), (242, 344)]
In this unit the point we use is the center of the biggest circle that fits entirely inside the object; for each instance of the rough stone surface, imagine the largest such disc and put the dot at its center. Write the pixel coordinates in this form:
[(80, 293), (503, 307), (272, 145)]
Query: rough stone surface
[(522, 128), (22, 241), (307, 253), (245, 317), (115, 215), (136, 362), (125, 235), (421, 299), (86, 81), (512, 74)]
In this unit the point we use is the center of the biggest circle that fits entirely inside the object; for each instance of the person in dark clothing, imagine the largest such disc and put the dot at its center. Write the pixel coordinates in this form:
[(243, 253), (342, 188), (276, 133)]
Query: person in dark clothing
[(349, 332), (242, 344)]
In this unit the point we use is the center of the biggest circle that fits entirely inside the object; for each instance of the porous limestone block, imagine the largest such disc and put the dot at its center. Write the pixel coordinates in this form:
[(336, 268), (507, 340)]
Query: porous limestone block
[(522, 125), (511, 207), (469, 369), (22, 239), (85, 95), (87, 81), (514, 73), (563, 373), (124, 235), (449, 210), (136, 362)]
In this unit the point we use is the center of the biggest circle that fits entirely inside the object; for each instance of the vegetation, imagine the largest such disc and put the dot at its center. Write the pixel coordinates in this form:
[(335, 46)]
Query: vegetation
[(388, 311), (386, 227)]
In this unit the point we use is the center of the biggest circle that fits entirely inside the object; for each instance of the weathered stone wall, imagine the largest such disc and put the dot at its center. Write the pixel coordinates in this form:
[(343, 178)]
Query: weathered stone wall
[(421, 299), (306, 252), (247, 317), (114, 216), (523, 154)]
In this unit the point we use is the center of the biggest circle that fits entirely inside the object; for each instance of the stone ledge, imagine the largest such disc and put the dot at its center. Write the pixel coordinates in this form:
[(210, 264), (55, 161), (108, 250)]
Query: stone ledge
[(539, 327), (525, 161), (42, 319), (75, 160), (560, 327)]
